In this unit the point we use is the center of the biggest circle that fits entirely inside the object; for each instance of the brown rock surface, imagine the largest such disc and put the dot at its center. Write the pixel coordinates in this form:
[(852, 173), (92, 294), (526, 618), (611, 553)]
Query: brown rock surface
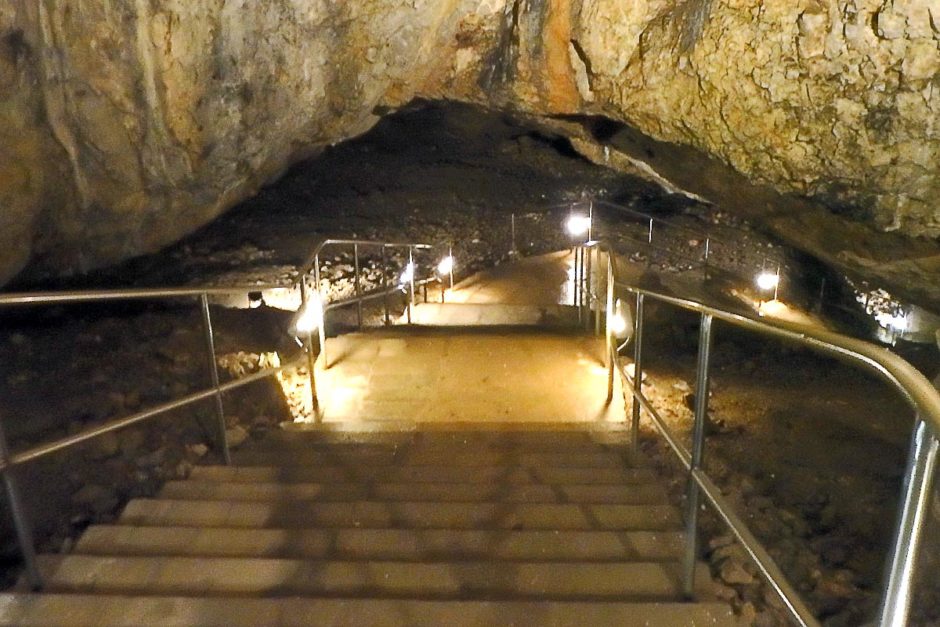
[(124, 126)]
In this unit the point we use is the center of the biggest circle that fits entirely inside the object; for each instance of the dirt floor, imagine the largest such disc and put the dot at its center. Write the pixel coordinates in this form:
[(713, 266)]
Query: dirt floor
[(810, 450)]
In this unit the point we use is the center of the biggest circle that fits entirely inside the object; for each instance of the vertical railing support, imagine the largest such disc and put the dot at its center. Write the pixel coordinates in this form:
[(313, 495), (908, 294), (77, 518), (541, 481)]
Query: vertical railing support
[(609, 346), (214, 375), (311, 368), (358, 283), (311, 360), (597, 287), (512, 230), (316, 290), (637, 372), (316, 274), (698, 449), (915, 500), (587, 289), (450, 254), (388, 316), (708, 245), (24, 531), (411, 281)]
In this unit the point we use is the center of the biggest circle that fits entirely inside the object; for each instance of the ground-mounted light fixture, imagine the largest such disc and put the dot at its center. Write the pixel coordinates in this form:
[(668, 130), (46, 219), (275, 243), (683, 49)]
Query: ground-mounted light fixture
[(446, 266), (578, 225), (767, 281), (619, 327), (407, 275), (255, 300), (310, 318), (897, 321)]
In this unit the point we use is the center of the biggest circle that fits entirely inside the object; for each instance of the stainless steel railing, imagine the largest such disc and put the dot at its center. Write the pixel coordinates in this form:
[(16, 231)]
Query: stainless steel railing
[(9, 461), (920, 394)]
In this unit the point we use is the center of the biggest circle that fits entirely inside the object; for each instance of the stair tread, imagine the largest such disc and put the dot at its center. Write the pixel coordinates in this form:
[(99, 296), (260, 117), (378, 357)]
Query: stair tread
[(411, 514), (55, 610), (651, 493), (434, 473), (640, 581), (298, 456), (391, 544)]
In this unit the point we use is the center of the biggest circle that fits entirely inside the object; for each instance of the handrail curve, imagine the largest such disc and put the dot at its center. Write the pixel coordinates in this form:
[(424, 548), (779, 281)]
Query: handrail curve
[(900, 375)]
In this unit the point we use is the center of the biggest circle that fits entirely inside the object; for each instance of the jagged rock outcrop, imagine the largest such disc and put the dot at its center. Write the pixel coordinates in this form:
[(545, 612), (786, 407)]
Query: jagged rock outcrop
[(124, 126)]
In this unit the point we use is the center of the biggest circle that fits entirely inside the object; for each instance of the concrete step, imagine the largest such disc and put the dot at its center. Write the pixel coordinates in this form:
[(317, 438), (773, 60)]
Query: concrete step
[(453, 442), (418, 474), (654, 493), (202, 576), (56, 610), (405, 514), (492, 314), (491, 432), (383, 544), (298, 456), (445, 433)]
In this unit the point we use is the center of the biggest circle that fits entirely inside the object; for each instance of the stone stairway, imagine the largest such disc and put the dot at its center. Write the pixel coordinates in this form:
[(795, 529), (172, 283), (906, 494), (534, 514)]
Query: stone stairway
[(543, 526)]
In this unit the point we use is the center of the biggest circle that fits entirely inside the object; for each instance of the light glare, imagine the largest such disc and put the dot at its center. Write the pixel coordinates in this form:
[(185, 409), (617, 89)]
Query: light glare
[(446, 266), (311, 317), (578, 225), (898, 322), (408, 274), (618, 320), (767, 280)]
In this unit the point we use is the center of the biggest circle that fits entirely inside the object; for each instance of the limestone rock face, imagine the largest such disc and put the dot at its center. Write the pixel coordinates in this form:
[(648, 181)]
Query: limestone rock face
[(125, 125)]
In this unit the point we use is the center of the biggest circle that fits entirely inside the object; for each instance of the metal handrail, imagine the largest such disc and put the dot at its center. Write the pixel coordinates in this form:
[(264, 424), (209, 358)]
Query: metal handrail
[(89, 296), (898, 373), (9, 460), (308, 264)]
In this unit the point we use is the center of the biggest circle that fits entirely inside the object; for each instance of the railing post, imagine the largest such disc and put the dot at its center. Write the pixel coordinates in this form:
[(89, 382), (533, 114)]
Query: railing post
[(311, 367), (597, 286), (214, 375), (637, 371), (609, 336), (587, 288), (708, 243), (512, 231), (316, 273), (24, 532), (388, 317), (915, 500), (698, 448), (450, 255), (311, 361), (358, 284), (411, 281)]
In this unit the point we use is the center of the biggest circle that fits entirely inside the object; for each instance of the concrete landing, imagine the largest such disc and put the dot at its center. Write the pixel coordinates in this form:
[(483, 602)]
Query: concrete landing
[(539, 280), (499, 376), (493, 315)]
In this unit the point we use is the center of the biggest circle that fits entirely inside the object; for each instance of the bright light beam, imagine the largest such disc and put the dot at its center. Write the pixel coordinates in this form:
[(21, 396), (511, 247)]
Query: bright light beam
[(446, 266), (408, 274), (768, 280), (578, 225), (310, 319)]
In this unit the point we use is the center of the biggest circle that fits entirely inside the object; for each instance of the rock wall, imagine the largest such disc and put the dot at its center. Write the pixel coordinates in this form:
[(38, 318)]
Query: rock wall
[(125, 125)]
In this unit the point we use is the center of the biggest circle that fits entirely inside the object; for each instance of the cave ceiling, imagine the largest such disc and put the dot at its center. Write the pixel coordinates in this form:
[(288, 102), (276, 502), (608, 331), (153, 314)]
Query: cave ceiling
[(124, 126)]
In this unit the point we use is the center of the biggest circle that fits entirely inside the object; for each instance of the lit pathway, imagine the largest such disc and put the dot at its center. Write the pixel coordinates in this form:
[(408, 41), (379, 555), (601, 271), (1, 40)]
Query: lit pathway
[(473, 373)]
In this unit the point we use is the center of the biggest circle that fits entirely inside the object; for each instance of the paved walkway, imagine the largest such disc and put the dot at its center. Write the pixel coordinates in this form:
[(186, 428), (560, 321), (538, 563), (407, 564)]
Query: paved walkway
[(473, 373)]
